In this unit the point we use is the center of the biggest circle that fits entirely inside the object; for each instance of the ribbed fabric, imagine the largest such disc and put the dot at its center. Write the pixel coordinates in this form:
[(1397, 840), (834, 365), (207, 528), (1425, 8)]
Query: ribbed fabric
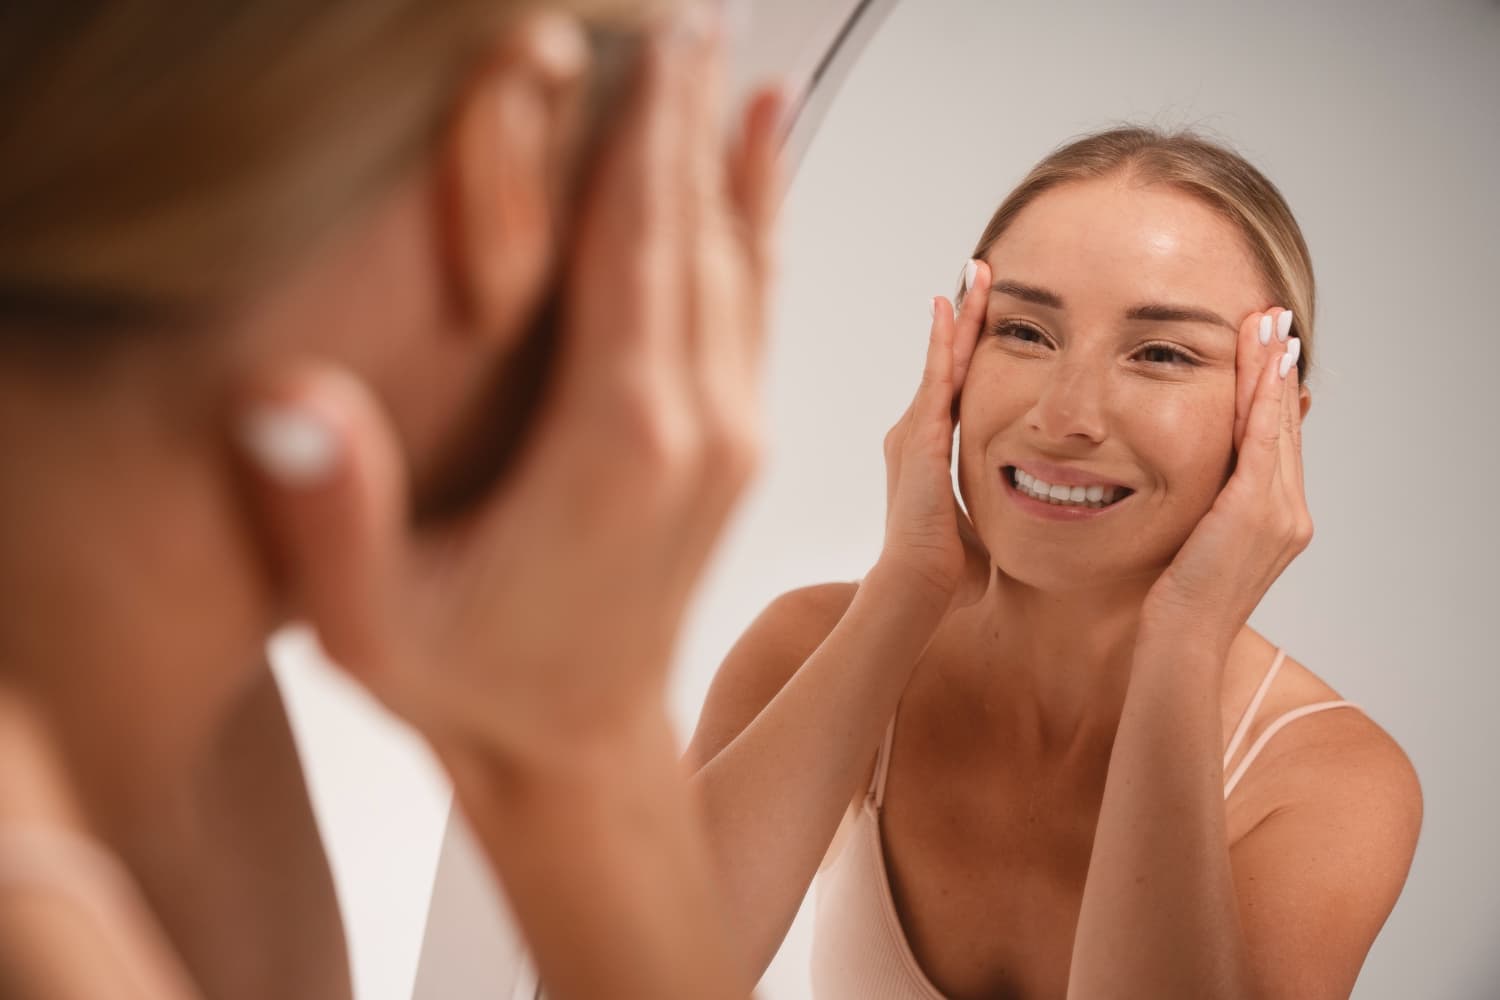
[(860, 951)]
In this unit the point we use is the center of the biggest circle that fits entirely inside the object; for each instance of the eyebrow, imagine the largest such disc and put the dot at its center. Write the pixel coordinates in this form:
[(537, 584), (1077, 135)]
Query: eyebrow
[(1150, 311)]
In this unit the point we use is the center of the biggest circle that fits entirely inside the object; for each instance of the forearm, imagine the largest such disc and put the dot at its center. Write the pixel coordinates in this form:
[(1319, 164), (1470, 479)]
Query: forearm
[(605, 868), (1159, 914), (773, 798)]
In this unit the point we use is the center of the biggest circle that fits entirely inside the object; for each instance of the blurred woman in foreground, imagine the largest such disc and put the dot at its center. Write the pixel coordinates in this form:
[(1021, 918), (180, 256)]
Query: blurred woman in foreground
[(382, 315)]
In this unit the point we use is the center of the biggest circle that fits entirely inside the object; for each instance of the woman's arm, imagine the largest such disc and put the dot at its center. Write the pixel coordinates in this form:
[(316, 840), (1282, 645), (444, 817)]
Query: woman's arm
[(773, 791), (597, 845), (1289, 910), (529, 639), (1169, 908)]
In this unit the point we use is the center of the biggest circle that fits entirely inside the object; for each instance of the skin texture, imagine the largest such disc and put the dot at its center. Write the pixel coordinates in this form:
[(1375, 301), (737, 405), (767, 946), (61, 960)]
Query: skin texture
[(133, 502), (1054, 822)]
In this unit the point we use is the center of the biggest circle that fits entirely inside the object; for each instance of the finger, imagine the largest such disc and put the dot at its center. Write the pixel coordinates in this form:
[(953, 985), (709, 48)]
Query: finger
[(625, 301), (970, 318), (329, 486), (1256, 342), (756, 183), (707, 241), (1291, 418), (934, 399), (1260, 451)]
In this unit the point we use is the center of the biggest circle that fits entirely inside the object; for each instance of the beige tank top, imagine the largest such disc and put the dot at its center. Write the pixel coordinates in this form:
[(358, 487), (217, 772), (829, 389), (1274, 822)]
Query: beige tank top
[(860, 951)]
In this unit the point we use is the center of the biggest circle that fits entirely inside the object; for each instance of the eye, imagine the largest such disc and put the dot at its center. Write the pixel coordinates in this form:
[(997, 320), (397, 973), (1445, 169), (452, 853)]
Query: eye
[(1165, 354), (1012, 329)]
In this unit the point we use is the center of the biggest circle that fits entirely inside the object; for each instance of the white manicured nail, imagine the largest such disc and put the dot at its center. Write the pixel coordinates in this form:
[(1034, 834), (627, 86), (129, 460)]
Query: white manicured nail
[(932, 308), (1293, 352), (970, 269), (293, 446), (1283, 325), (1265, 329)]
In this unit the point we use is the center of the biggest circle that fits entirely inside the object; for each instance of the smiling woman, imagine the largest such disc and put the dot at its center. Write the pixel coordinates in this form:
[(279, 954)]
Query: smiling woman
[(1019, 718)]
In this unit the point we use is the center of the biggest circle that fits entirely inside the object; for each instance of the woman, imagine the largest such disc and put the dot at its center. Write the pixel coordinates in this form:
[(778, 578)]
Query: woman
[(1025, 708), (278, 285)]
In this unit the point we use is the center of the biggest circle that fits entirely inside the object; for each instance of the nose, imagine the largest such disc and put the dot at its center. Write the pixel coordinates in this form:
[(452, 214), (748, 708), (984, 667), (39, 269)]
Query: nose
[(1072, 404)]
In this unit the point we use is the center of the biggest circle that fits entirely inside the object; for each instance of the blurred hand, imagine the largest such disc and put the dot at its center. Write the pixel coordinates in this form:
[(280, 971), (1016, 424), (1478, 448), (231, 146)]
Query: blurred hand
[(546, 620)]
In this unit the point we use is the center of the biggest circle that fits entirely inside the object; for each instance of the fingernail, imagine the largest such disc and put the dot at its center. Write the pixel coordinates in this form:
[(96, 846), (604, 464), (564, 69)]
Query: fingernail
[(1293, 352), (291, 445), (1265, 329), (1283, 325), (932, 308), (970, 269)]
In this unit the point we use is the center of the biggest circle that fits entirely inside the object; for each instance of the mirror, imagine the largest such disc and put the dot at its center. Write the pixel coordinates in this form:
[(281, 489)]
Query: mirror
[(1379, 124)]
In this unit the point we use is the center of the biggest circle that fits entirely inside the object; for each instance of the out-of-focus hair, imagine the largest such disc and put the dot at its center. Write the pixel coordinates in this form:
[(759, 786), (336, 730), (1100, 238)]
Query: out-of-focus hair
[(159, 157)]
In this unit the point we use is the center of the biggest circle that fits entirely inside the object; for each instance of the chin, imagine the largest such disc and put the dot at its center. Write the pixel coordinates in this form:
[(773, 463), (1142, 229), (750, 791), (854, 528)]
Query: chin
[(1068, 568)]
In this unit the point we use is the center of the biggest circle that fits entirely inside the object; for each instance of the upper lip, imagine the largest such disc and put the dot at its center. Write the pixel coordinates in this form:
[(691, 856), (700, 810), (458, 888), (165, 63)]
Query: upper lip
[(1062, 475)]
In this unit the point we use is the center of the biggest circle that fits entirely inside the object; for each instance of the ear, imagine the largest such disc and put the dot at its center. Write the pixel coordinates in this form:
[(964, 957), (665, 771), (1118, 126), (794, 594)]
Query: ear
[(511, 138), (1305, 401)]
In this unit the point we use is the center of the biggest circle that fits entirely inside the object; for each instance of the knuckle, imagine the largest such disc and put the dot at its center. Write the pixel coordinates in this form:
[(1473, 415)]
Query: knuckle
[(1304, 532), (652, 436)]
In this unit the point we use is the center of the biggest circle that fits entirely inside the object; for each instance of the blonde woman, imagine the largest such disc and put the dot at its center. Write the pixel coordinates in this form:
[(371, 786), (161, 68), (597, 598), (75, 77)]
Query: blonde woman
[(1064, 764), (355, 312)]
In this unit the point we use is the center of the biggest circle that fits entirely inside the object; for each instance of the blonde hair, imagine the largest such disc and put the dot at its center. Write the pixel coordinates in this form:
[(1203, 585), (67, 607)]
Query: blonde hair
[(1219, 177), (160, 156)]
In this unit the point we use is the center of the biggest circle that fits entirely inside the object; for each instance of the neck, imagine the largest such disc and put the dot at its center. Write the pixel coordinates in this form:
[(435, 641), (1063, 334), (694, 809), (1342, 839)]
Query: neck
[(1053, 666), (132, 640)]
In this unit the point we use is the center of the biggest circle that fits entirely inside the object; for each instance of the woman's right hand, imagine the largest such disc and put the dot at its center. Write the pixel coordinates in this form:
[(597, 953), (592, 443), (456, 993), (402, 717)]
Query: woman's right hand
[(542, 627), (930, 544)]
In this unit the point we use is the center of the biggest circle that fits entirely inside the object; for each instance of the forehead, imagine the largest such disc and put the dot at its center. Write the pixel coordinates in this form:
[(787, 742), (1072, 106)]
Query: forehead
[(1118, 241)]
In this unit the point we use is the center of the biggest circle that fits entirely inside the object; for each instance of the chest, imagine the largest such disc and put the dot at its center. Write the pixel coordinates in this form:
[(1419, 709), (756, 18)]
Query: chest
[(987, 877)]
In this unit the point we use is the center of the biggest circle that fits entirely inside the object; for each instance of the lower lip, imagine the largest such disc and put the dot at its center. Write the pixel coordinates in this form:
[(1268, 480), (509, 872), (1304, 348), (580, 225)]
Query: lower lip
[(1056, 512)]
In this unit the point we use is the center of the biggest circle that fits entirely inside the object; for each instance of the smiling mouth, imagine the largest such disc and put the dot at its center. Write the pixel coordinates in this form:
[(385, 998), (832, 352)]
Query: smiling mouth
[(1083, 497)]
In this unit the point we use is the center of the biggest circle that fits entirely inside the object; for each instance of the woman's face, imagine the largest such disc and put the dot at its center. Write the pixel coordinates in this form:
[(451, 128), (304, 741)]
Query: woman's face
[(1107, 357)]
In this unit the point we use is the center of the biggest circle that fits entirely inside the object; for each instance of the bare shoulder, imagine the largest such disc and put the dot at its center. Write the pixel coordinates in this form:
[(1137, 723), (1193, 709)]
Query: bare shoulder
[(52, 949), (1323, 830), (763, 659), (1338, 764), (33, 788)]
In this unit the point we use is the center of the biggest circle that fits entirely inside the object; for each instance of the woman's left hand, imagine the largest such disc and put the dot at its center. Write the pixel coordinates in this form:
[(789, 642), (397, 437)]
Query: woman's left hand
[(1260, 522)]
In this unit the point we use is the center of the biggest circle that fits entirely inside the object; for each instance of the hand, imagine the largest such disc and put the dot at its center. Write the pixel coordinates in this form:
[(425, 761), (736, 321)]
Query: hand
[(1259, 523), (545, 621), (928, 538)]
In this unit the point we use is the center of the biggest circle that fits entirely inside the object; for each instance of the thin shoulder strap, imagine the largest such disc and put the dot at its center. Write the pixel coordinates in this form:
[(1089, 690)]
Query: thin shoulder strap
[(1260, 695), (1273, 729), (67, 863), (883, 763)]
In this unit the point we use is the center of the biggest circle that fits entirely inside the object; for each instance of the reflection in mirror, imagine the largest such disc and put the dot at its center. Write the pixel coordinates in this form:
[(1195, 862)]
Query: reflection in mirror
[(1052, 753)]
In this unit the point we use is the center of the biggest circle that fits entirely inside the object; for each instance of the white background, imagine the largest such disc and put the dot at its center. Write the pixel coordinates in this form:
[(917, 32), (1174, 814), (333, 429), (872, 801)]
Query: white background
[(1380, 121)]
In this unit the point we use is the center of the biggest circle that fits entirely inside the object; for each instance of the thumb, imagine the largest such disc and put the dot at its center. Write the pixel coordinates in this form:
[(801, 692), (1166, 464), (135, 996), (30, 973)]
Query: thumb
[(329, 487)]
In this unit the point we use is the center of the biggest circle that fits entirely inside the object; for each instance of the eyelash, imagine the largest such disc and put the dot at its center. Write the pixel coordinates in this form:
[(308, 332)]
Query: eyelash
[(1006, 327)]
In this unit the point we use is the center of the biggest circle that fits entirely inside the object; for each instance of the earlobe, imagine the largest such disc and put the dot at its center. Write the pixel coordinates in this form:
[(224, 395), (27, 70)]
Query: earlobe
[(1305, 401), (501, 156)]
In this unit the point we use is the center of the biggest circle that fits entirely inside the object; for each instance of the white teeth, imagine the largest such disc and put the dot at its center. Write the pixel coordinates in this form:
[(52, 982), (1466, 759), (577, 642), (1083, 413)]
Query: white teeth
[(1083, 496)]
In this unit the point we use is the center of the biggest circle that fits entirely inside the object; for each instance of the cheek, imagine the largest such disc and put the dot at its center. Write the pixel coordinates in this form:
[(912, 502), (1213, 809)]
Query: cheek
[(1185, 437)]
